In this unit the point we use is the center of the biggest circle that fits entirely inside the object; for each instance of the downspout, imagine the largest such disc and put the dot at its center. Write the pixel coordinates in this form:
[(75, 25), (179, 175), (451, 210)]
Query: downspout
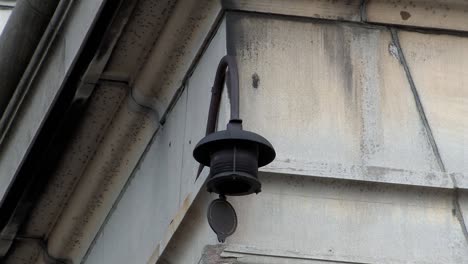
[(24, 43)]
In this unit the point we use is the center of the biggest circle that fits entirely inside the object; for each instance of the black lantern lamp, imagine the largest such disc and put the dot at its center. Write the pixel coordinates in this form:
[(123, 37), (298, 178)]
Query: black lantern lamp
[(233, 155)]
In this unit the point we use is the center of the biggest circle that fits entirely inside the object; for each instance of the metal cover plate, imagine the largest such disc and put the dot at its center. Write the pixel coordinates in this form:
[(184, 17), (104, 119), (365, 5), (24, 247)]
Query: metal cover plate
[(222, 218)]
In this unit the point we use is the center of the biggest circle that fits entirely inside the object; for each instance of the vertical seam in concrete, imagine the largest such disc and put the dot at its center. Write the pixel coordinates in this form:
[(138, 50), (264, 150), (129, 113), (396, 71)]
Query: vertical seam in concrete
[(430, 135), (186, 84), (459, 214), (363, 10)]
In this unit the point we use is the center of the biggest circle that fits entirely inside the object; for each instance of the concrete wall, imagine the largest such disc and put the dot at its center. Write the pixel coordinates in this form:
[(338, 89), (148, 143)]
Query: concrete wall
[(301, 219), (369, 125), (163, 186), (347, 101)]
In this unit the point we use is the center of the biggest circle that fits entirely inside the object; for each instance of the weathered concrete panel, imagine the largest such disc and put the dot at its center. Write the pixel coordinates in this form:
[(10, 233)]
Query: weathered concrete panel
[(439, 67), (333, 94), (382, 224), (172, 56), (103, 105), (335, 101), (198, 101), (101, 183), (328, 220), (137, 40), (444, 14), (152, 195), (190, 239), (341, 10), (163, 186)]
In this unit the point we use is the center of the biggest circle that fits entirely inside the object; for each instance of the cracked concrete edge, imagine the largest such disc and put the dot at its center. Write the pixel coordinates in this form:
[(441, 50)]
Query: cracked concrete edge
[(212, 255)]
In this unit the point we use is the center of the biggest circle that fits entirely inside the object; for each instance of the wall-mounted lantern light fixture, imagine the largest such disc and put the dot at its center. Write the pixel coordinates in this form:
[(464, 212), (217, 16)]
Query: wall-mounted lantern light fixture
[(233, 155)]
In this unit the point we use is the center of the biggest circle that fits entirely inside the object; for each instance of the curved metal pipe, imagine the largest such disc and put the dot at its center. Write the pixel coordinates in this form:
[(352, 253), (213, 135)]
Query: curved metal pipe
[(229, 63)]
